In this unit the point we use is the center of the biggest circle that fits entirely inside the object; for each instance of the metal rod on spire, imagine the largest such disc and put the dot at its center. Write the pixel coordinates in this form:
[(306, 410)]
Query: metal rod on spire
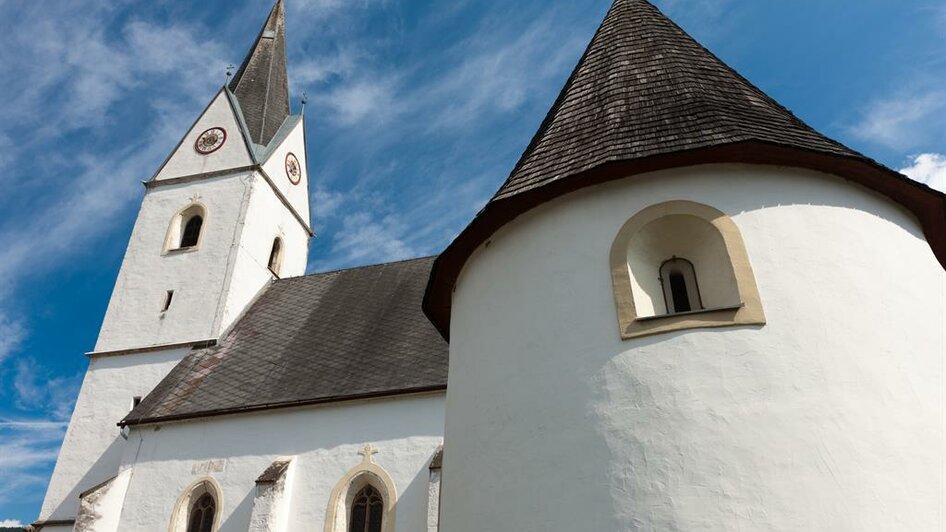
[(230, 68)]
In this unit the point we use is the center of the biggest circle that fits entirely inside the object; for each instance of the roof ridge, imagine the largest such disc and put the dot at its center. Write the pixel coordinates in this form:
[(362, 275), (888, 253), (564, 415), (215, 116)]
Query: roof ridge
[(353, 268)]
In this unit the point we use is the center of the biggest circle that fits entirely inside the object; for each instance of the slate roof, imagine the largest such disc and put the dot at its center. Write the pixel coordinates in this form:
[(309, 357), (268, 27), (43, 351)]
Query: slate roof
[(645, 96), (326, 337), (261, 85)]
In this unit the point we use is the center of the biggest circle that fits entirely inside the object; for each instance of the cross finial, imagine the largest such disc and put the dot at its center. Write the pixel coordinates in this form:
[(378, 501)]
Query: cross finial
[(230, 68), (368, 451), (305, 99)]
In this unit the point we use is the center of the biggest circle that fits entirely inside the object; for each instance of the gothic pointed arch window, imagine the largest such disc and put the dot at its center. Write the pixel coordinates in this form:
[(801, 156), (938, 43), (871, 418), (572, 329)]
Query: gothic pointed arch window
[(275, 256), (367, 511), (364, 500), (186, 229), (202, 514), (198, 508)]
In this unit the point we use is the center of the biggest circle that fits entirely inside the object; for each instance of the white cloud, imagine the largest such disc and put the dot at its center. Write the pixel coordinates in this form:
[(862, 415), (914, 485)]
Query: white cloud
[(929, 168), (905, 120), (12, 523), (12, 334), (354, 102), (365, 239)]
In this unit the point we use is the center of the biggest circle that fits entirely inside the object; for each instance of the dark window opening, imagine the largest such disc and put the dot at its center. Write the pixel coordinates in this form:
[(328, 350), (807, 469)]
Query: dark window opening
[(167, 300), (202, 514), (191, 232), (678, 290), (681, 292), (367, 510)]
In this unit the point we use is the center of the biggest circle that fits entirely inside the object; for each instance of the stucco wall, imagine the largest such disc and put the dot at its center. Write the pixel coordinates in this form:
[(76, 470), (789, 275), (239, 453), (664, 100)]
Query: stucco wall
[(323, 442), (829, 417), (266, 218), (275, 167), (198, 277), (92, 449)]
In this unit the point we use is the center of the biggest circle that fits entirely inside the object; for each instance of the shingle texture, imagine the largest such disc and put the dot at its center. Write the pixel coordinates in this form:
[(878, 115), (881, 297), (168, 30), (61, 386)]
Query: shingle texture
[(644, 88), (324, 337), (261, 85)]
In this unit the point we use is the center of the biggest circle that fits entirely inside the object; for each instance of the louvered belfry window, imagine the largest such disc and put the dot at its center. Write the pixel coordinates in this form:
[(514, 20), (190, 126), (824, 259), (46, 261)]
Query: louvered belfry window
[(367, 509), (202, 514)]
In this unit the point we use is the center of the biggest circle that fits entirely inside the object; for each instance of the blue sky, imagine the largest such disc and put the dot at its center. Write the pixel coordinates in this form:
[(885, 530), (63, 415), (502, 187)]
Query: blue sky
[(417, 111)]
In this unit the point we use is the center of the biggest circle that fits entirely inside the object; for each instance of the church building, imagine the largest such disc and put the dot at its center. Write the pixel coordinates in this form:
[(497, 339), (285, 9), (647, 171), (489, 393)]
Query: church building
[(685, 309)]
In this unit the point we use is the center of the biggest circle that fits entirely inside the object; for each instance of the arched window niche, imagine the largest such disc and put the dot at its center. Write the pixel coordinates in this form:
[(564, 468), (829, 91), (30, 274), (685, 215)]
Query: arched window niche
[(366, 488), (198, 508), (186, 229), (682, 265)]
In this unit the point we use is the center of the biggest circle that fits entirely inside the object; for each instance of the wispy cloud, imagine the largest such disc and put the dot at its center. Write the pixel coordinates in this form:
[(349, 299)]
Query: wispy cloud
[(928, 168), (12, 333), (11, 523), (904, 120)]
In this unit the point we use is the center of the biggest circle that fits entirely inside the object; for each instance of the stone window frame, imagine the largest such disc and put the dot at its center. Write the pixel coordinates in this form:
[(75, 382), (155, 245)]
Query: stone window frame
[(367, 472), (181, 514), (176, 229), (749, 312)]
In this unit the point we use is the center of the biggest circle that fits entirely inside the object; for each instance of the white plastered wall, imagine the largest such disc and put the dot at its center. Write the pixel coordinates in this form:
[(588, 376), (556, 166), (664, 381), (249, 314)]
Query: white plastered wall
[(275, 168), (323, 442), (185, 161), (266, 218), (828, 418), (92, 449), (198, 277)]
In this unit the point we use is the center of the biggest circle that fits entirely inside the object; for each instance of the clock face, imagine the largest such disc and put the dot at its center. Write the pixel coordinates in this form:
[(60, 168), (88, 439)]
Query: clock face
[(211, 140), (293, 169)]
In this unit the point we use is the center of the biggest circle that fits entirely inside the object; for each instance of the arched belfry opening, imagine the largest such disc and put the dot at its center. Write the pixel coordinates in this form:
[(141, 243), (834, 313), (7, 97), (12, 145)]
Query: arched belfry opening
[(186, 229)]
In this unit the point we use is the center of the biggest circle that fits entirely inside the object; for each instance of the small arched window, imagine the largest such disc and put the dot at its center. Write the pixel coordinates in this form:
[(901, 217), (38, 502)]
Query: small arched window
[(191, 234), (184, 233), (681, 291), (201, 518), (275, 256), (367, 511)]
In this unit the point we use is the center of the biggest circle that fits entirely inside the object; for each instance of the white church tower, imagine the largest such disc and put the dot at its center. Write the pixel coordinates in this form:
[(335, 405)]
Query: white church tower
[(224, 215)]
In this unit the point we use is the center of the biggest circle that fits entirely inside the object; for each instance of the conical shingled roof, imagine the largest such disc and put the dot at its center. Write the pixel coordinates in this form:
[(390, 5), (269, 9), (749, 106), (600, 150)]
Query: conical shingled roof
[(261, 85), (644, 87), (644, 97)]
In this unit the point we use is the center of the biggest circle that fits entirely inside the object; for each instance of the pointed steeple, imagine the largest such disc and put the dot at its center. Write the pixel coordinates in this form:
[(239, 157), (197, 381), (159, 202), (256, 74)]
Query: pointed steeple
[(645, 96), (261, 85), (643, 88)]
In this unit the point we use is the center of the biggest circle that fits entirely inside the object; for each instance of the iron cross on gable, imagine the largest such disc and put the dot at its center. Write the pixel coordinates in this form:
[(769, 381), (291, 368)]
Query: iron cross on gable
[(368, 451)]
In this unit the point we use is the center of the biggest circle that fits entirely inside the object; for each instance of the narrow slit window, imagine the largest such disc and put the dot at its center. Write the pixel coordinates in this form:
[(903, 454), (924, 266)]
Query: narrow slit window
[(275, 256), (191, 234), (167, 300), (367, 510), (681, 292)]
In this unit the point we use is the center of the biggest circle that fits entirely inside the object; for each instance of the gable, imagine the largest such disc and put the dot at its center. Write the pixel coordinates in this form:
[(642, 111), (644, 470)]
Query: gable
[(185, 160)]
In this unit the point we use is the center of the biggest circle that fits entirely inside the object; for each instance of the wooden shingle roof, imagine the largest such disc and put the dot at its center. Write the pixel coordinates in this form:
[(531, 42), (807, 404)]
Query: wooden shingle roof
[(646, 96)]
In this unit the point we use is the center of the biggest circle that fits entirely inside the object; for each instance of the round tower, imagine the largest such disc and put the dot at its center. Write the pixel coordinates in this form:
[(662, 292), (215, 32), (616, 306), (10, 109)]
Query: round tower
[(687, 310)]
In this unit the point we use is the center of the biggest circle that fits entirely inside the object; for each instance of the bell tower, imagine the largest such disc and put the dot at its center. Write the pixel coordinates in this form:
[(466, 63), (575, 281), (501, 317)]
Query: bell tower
[(225, 214)]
